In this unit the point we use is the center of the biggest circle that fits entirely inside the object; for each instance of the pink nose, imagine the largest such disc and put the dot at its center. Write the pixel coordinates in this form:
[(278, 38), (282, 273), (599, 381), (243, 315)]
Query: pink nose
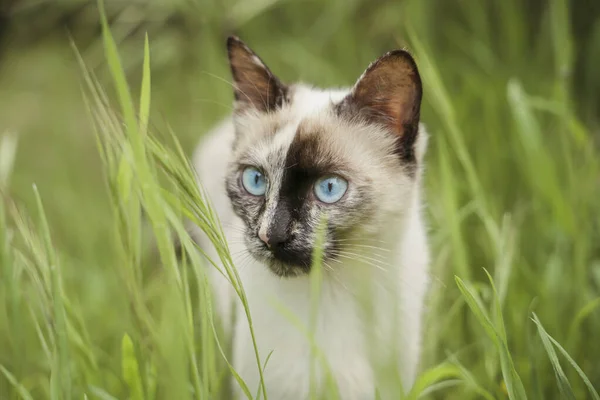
[(262, 234)]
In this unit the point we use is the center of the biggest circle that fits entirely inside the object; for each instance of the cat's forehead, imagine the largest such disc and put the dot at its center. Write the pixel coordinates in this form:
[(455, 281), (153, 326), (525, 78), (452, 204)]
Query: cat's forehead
[(306, 101), (264, 136), (312, 143), (309, 133)]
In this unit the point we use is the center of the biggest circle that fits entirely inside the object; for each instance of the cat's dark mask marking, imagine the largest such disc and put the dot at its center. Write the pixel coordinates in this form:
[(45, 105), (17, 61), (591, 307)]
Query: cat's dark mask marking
[(255, 85), (295, 201), (389, 93), (306, 161)]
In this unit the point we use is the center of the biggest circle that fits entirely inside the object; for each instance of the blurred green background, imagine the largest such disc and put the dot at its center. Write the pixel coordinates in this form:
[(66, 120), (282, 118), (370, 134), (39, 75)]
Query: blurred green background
[(511, 98)]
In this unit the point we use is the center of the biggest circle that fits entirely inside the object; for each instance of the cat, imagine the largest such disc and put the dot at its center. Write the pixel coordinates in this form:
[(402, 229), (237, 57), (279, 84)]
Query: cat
[(289, 156)]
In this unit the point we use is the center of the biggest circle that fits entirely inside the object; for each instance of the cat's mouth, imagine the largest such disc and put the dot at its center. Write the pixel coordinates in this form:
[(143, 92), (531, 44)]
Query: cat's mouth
[(287, 260)]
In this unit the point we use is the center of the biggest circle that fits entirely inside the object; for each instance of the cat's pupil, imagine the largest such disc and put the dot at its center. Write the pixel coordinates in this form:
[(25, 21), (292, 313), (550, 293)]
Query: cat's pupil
[(256, 179), (330, 186)]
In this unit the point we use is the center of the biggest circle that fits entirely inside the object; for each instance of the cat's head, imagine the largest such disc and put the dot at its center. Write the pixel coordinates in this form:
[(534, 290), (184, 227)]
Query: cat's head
[(304, 155)]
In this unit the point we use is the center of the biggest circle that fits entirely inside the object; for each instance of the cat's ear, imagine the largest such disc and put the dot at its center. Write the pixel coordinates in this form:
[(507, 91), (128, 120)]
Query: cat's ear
[(255, 86), (389, 93)]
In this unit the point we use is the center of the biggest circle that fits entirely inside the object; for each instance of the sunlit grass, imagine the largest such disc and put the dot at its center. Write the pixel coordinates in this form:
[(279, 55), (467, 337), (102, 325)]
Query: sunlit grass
[(94, 302)]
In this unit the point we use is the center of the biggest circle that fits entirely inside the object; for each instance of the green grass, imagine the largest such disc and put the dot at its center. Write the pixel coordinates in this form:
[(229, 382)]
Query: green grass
[(92, 300)]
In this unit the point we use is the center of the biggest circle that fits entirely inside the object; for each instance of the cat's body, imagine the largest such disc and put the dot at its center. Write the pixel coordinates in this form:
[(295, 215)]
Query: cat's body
[(371, 298)]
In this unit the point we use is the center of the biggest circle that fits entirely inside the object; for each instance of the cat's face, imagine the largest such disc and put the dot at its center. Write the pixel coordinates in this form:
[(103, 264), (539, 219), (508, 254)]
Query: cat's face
[(347, 161)]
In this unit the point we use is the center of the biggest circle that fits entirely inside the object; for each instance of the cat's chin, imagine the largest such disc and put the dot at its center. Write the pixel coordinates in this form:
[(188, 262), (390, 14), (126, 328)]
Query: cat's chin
[(283, 264), (280, 268), (284, 270)]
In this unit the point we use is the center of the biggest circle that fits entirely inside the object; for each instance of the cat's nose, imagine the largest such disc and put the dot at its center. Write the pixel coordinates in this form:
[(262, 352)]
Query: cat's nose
[(278, 242), (273, 240), (274, 230)]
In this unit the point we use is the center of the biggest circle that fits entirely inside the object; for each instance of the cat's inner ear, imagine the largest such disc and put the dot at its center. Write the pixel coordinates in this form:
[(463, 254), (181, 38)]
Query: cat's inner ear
[(255, 86), (389, 93)]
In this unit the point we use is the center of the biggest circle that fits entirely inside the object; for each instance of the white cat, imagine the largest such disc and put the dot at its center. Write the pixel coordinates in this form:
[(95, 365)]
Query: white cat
[(290, 155)]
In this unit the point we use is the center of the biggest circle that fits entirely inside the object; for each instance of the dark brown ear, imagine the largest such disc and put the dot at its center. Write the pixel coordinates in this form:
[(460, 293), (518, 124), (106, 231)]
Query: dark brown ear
[(389, 93), (255, 85)]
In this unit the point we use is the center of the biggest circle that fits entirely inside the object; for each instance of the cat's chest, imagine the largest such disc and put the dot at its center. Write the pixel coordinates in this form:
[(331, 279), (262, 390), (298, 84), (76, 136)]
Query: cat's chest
[(291, 331), (282, 324)]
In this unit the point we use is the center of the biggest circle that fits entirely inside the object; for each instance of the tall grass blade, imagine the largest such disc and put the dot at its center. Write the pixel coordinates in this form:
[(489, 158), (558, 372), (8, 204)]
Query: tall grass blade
[(563, 383), (584, 313), (432, 376), (236, 376), (145, 91), (8, 151), (316, 280), (116, 70), (23, 393), (101, 394), (131, 369), (443, 105), (62, 360), (513, 382)]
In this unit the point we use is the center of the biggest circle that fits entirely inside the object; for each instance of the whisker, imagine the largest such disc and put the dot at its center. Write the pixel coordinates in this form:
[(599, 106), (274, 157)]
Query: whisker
[(327, 265), (332, 273), (366, 246), (362, 240), (371, 263), (380, 259), (244, 262)]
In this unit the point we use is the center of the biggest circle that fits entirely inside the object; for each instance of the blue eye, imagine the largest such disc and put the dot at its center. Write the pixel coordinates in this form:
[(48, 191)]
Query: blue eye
[(330, 189), (254, 181)]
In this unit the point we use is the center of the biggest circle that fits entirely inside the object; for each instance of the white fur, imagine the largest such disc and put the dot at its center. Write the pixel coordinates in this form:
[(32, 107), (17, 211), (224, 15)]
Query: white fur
[(348, 338)]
